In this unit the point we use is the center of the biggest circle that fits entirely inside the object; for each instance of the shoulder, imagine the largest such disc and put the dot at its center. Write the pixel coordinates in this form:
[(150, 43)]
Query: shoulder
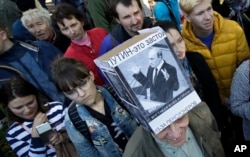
[(55, 107), (195, 58), (223, 24), (136, 142), (41, 44), (97, 31), (194, 55), (142, 144), (243, 69)]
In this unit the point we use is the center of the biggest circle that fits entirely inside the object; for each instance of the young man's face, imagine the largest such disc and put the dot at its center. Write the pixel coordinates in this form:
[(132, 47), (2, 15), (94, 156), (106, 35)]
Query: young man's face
[(202, 16), (131, 18), (72, 28)]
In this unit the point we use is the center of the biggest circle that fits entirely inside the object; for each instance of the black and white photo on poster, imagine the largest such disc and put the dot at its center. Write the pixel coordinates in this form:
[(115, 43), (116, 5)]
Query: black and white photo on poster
[(139, 73)]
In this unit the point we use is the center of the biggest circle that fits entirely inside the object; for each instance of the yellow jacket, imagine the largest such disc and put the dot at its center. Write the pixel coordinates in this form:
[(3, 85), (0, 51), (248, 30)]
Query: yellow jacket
[(229, 47)]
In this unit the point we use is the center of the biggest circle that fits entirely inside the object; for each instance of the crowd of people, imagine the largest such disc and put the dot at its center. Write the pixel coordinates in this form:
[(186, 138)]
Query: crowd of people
[(48, 74)]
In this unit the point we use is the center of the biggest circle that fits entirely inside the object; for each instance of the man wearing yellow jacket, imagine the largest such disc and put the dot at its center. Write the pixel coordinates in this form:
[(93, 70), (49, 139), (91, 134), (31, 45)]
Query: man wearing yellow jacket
[(222, 42)]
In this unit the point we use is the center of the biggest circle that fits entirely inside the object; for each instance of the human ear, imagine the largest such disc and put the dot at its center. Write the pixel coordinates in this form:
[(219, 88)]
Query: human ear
[(91, 75), (3, 35)]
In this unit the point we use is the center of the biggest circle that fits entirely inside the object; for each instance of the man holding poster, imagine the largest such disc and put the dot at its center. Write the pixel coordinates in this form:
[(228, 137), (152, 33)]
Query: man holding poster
[(194, 134)]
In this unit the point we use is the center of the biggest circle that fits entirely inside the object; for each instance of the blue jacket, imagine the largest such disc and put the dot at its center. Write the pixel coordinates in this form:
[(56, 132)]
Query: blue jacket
[(33, 61), (162, 12), (104, 146), (20, 32)]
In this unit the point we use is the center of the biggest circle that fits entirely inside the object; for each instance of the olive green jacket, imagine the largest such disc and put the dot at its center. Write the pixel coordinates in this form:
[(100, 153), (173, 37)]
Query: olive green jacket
[(203, 126)]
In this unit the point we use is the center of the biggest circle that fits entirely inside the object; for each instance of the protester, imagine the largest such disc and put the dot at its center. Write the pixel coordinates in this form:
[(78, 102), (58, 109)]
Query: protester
[(129, 16), (84, 45), (195, 134), (220, 41), (240, 96), (197, 70), (25, 111), (107, 122), (223, 44), (18, 30), (38, 22), (32, 61)]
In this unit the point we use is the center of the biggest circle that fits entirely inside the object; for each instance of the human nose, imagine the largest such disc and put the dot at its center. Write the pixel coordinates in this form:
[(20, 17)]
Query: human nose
[(37, 28), (71, 31), (80, 92), (26, 109), (174, 131), (207, 15), (133, 20)]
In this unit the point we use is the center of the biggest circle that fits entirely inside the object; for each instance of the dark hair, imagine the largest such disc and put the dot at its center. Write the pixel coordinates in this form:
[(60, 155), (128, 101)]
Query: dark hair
[(25, 5), (68, 72), (4, 28), (126, 3), (18, 87), (64, 10), (167, 25)]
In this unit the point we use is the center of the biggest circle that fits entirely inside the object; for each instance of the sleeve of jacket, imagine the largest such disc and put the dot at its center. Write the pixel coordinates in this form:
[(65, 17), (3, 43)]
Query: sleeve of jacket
[(203, 124), (108, 43), (240, 104), (242, 45)]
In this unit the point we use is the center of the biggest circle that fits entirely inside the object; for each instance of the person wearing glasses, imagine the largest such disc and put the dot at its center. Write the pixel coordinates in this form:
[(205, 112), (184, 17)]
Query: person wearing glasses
[(109, 124)]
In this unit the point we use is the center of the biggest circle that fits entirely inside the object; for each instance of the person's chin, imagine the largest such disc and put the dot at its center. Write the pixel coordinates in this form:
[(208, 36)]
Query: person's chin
[(88, 101), (136, 28), (29, 116)]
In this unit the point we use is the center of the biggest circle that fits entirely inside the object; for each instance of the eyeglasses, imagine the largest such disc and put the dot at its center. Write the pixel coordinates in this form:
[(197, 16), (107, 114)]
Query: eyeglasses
[(83, 85)]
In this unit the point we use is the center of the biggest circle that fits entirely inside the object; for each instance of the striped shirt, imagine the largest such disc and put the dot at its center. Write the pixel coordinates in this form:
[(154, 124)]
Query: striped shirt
[(24, 145)]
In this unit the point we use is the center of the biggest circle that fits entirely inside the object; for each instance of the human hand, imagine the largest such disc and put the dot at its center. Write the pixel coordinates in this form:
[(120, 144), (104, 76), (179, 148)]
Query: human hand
[(135, 69), (165, 73), (39, 119), (56, 138)]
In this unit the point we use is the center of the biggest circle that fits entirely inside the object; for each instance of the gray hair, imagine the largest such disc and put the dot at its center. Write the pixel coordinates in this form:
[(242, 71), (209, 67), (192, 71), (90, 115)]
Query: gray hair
[(36, 13)]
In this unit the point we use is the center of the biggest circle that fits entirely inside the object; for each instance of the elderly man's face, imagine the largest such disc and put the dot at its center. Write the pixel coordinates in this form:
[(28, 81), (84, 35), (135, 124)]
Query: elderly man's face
[(131, 18), (175, 134)]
